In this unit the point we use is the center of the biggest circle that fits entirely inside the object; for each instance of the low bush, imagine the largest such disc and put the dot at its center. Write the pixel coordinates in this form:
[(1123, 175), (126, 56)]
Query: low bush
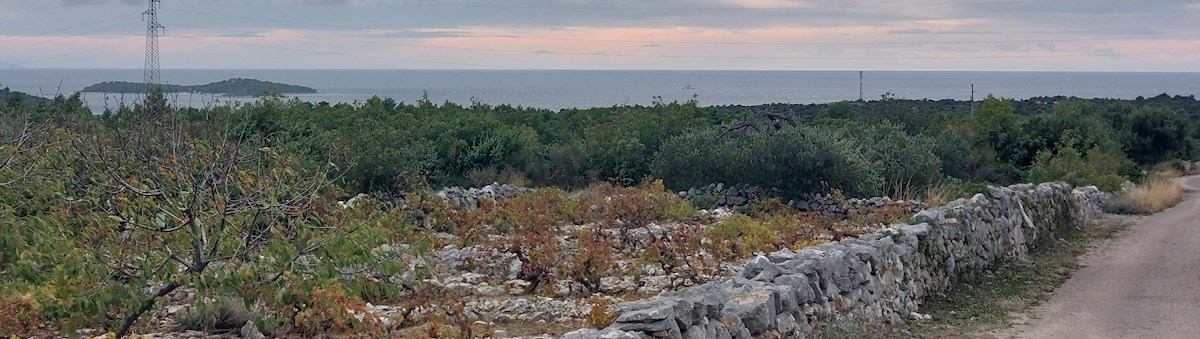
[(741, 236), (224, 315), (1122, 205), (1177, 166), (326, 309), (21, 315), (601, 315), (1156, 193), (907, 161), (593, 260), (632, 206), (1095, 167), (886, 215), (793, 160), (965, 189), (680, 252)]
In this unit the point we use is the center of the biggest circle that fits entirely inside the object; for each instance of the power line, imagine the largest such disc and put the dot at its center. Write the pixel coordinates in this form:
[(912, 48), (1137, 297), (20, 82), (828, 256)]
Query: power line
[(349, 54), (639, 41), (841, 42), (66, 29), (529, 68), (696, 7), (69, 36), (718, 57), (56, 56)]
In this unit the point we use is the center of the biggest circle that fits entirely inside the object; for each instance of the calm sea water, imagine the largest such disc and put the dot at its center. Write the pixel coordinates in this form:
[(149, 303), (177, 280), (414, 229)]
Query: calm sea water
[(565, 89)]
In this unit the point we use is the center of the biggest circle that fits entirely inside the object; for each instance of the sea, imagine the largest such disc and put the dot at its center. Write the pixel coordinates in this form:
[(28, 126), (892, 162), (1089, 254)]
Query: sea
[(560, 89)]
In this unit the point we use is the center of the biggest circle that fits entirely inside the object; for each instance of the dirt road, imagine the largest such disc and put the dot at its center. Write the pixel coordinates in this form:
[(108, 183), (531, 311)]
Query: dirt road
[(1143, 284)]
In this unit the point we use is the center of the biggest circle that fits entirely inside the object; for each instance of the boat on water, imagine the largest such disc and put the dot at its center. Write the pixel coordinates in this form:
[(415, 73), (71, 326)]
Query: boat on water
[(688, 86)]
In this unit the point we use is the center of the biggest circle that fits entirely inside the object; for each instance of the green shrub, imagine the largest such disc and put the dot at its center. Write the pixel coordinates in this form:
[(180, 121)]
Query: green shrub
[(705, 200), (965, 189), (741, 236), (1097, 167), (905, 161), (954, 151), (795, 160)]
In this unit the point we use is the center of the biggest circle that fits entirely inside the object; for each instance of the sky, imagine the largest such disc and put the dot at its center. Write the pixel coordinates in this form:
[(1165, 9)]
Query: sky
[(972, 35)]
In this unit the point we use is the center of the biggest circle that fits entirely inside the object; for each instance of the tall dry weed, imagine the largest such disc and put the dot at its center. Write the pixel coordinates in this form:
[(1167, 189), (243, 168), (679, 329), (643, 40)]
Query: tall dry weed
[(1157, 192), (937, 194)]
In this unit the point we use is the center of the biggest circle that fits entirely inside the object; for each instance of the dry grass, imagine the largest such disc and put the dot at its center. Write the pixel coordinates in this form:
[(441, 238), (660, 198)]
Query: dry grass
[(1158, 192), (937, 194), (901, 189)]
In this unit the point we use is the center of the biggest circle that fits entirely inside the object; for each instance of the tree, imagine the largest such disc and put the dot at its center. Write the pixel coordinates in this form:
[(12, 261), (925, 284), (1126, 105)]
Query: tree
[(995, 123), (996, 151), (186, 200), (20, 141), (954, 151), (1158, 134)]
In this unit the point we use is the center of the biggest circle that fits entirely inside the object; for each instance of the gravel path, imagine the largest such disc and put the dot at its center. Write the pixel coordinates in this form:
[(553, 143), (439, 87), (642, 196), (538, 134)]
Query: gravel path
[(1143, 284)]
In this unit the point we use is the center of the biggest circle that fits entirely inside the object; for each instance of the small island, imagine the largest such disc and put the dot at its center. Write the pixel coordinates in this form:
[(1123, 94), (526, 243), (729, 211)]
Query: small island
[(14, 98), (231, 87)]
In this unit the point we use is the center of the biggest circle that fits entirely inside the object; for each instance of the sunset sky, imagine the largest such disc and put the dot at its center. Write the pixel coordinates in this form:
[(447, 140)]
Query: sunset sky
[(1079, 35)]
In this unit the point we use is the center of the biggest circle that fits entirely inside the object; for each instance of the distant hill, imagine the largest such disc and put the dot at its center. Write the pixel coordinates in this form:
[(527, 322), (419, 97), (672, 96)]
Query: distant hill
[(7, 96), (231, 87)]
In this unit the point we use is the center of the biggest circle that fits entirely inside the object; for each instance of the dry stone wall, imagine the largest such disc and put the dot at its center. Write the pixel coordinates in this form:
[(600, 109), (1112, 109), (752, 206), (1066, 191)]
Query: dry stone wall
[(719, 195), (880, 277), (468, 198)]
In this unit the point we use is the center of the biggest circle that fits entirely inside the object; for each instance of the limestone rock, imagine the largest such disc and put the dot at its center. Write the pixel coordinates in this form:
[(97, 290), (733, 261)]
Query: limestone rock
[(250, 331)]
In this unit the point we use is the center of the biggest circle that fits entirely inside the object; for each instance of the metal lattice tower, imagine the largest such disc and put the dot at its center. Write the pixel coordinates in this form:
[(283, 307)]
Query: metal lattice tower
[(860, 85), (153, 30)]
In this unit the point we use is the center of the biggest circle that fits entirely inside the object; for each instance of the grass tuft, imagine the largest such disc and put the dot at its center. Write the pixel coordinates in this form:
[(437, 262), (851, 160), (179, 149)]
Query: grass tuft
[(226, 315), (1157, 193), (937, 194)]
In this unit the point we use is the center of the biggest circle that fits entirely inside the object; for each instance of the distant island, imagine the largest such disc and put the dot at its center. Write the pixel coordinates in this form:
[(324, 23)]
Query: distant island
[(14, 98), (232, 87)]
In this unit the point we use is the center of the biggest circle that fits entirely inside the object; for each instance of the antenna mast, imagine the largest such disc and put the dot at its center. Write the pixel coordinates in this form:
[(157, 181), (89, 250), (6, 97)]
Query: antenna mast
[(153, 30), (860, 85), (972, 99)]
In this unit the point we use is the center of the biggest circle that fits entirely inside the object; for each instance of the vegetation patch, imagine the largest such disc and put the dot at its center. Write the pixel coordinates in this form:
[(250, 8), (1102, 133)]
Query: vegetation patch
[(111, 219), (1154, 194)]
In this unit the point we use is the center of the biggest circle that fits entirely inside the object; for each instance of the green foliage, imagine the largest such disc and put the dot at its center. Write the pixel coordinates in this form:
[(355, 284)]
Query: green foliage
[(995, 122), (903, 160), (996, 152), (96, 207), (321, 309), (740, 236), (833, 114), (1158, 134), (965, 189), (795, 160), (907, 114), (1096, 167), (954, 152)]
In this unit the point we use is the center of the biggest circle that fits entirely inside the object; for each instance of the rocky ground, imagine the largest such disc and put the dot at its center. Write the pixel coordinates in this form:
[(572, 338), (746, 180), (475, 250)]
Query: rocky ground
[(485, 279)]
